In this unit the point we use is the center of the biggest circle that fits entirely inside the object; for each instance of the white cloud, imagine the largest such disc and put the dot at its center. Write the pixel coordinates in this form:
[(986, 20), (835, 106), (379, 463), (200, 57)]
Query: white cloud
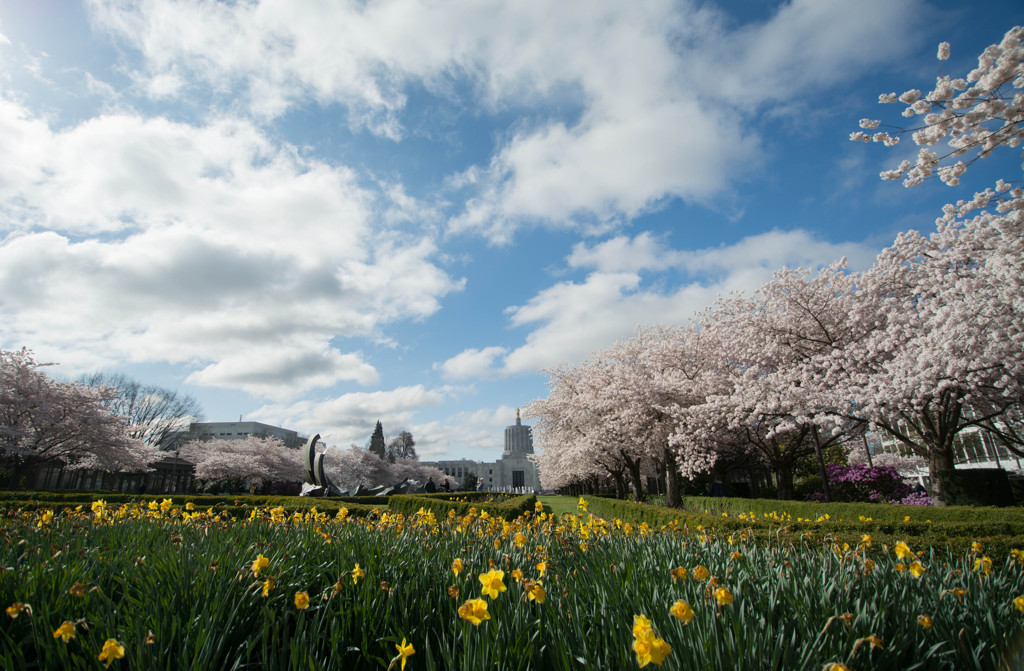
[(153, 240), (470, 363), (627, 105), (570, 320), (279, 371), (351, 418)]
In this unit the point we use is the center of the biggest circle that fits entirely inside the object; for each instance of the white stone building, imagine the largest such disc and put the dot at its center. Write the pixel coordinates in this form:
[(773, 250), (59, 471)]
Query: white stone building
[(513, 472)]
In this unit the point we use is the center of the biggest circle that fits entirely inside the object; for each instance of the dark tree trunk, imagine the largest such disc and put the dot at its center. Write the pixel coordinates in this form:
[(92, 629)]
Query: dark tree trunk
[(672, 496), (784, 481), (634, 472)]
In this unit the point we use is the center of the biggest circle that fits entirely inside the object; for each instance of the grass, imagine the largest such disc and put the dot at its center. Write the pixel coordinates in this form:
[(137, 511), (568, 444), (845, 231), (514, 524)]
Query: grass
[(177, 590)]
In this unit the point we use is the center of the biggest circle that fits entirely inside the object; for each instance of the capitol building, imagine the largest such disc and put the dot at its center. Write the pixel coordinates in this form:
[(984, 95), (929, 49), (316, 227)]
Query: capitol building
[(514, 472)]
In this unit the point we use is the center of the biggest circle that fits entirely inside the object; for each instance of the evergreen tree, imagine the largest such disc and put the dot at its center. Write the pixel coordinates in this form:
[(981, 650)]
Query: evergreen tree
[(377, 441)]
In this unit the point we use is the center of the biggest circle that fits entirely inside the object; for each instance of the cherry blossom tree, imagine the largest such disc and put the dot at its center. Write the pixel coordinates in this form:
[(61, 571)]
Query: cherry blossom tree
[(354, 467), (42, 419), (948, 354), (250, 461)]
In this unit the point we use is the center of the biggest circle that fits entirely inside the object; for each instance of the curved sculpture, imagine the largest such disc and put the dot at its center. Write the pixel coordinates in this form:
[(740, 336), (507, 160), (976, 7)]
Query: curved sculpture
[(313, 470)]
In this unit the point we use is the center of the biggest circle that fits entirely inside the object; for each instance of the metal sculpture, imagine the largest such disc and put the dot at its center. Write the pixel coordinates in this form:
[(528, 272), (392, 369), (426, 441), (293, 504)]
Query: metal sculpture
[(313, 471)]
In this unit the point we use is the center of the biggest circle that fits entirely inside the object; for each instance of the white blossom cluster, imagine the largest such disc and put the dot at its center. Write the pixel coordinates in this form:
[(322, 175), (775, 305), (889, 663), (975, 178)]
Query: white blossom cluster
[(973, 115)]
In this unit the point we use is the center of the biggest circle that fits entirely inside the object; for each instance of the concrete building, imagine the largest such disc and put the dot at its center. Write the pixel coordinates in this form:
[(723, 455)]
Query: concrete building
[(240, 430), (513, 472)]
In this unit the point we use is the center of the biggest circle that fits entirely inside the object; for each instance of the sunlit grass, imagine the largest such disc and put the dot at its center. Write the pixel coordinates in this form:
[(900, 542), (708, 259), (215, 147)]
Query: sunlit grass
[(188, 589)]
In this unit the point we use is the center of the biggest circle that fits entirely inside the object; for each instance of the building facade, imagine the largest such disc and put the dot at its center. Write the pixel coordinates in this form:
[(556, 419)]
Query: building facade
[(240, 430), (513, 472)]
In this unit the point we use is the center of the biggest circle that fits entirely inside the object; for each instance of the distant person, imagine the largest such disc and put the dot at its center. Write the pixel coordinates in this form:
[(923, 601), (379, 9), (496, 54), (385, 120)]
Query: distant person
[(479, 484), (430, 487), (447, 485)]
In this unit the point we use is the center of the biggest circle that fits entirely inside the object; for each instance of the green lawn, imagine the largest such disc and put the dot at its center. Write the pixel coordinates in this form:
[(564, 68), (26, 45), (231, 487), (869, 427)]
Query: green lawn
[(556, 505)]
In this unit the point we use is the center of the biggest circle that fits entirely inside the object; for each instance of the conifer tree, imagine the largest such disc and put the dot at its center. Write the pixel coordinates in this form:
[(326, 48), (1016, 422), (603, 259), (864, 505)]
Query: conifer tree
[(377, 445)]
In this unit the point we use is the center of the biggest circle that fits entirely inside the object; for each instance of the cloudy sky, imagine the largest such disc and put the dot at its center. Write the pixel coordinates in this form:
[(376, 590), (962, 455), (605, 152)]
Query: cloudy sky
[(318, 215)]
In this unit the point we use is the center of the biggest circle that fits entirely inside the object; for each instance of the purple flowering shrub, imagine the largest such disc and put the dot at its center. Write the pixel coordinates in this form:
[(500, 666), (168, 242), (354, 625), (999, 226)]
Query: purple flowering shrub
[(860, 483)]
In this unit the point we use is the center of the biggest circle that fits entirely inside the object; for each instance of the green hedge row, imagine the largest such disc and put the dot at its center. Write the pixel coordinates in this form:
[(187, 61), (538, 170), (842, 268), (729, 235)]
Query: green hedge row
[(507, 508), (65, 497), (998, 537)]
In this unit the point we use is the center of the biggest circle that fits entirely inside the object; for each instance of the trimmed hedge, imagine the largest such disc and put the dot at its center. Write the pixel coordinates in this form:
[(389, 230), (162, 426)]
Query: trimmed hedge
[(507, 508)]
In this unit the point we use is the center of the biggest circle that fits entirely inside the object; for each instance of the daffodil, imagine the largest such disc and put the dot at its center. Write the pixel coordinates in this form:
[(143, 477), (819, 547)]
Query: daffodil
[(259, 564), (649, 647), (916, 568), (837, 666), (357, 573), (404, 652), (641, 623), (457, 567), (15, 609), (517, 575), (536, 592), (492, 583), (924, 621), (582, 505), (301, 600), (474, 611), (268, 585), (903, 551), (983, 565), (682, 612), (678, 574), (542, 567), (1018, 603), (65, 631), (111, 650), (700, 572), (723, 596)]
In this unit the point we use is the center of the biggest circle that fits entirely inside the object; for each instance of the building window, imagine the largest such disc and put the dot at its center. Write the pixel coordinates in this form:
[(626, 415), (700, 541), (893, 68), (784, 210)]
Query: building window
[(518, 478)]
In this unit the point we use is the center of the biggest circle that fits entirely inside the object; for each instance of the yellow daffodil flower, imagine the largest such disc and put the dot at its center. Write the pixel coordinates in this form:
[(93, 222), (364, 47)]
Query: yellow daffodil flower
[(903, 551), (723, 596), (542, 567), (111, 650), (537, 592), (678, 574), (357, 573), (983, 565), (641, 623), (682, 612), (916, 568), (517, 575), (492, 583), (268, 585), (65, 631), (301, 600), (650, 648), (259, 564), (1018, 603), (924, 622), (474, 611), (457, 567), (404, 652), (700, 572)]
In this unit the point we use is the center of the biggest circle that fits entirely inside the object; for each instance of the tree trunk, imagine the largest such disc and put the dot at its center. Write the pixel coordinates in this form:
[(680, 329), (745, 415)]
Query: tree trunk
[(634, 472), (620, 484), (784, 481), (672, 497), (939, 459), (821, 466)]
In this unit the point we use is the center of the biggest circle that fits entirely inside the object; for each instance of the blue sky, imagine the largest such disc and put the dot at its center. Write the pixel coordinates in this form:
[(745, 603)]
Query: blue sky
[(319, 215)]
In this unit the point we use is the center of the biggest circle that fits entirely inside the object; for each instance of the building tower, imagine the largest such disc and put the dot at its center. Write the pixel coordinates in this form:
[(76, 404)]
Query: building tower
[(518, 439)]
